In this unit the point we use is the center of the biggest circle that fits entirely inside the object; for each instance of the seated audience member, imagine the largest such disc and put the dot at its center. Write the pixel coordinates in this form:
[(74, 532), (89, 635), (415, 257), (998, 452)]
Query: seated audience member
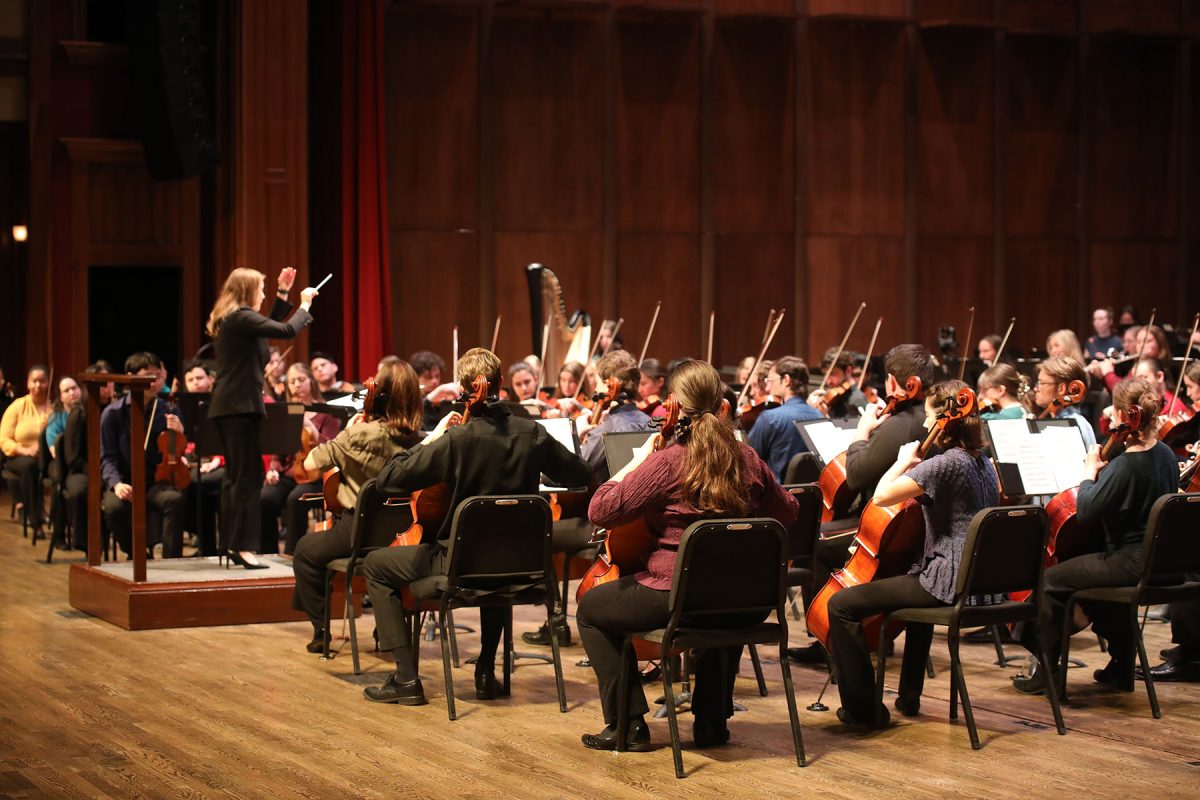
[(20, 428), (774, 436), (68, 396), (325, 373), (75, 457), (115, 463)]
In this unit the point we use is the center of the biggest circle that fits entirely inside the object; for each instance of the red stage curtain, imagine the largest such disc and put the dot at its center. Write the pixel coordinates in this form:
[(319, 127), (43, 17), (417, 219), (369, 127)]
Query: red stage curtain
[(366, 290)]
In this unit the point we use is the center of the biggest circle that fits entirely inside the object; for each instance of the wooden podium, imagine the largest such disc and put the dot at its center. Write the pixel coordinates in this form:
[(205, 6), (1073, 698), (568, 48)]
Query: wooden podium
[(173, 593)]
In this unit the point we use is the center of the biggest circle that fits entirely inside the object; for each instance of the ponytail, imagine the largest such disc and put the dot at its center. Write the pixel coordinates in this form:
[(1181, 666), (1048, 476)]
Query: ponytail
[(712, 471)]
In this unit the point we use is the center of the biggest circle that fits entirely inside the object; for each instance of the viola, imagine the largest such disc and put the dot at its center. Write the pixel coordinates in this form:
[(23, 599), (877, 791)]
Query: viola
[(888, 540), (626, 547), (171, 467), (1072, 395), (835, 495), (603, 401), (431, 505)]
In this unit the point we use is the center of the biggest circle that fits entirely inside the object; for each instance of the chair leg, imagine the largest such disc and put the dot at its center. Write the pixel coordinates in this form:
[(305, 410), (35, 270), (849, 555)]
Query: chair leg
[(327, 612), (672, 720), (929, 668), (414, 632), (1001, 660), (453, 641), (1051, 685), (1141, 651), (956, 675), (1064, 660), (881, 666), (508, 652), (353, 628), (758, 671), (789, 692), (554, 652), (446, 661)]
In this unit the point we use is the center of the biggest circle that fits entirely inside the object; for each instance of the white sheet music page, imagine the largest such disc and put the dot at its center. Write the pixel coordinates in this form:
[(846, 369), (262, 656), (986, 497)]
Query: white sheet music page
[(830, 440), (1065, 452)]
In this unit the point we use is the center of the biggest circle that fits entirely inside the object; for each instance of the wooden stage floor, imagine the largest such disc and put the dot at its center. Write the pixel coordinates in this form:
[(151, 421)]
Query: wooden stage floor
[(90, 710)]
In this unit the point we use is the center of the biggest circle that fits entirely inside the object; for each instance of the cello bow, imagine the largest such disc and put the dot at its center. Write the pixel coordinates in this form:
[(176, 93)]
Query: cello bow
[(962, 361)]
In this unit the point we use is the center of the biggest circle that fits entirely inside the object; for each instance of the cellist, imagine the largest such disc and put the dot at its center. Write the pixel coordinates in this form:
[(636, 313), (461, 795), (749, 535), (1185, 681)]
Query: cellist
[(1054, 375), (1116, 495), (878, 440), (950, 487)]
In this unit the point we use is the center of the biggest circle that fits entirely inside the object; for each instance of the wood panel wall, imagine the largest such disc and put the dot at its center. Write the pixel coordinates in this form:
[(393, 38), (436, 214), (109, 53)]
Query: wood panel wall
[(1028, 158)]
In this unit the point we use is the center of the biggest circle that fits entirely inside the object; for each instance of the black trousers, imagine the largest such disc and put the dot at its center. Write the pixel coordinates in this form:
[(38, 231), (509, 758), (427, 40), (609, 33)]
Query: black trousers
[(848, 644), (829, 555), (391, 569), (77, 510), (611, 611), (29, 486), (272, 499), (313, 553), (1185, 628), (284, 498), (161, 497), (241, 444), (1110, 621)]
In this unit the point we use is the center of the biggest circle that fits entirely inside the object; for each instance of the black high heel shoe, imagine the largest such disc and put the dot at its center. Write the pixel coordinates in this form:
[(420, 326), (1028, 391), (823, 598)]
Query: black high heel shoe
[(232, 556)]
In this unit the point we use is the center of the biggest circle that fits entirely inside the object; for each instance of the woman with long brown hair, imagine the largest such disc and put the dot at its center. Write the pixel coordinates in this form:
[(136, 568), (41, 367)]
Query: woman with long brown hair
[(241, 333), (359, 452), (704, 473)]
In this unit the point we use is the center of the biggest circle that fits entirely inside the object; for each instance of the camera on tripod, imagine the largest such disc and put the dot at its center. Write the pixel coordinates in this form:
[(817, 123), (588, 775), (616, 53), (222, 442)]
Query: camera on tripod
[(946, 340)]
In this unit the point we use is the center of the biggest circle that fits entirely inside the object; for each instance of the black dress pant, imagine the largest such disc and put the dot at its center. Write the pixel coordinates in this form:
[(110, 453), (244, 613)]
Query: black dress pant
[(611, 611), (203, 502), (77, 510), (241, 444), (389, 570), (1185, 628), (848, 643), (1110, 621), (29, 486), (161, 497), (272, 499)]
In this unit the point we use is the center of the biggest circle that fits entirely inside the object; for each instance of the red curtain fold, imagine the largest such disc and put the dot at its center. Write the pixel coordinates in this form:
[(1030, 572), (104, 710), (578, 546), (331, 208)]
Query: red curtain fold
[(366, 289)]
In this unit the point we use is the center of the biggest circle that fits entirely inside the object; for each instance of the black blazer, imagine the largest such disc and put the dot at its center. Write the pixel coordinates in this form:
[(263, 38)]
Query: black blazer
[(242, 355), (494, 453)]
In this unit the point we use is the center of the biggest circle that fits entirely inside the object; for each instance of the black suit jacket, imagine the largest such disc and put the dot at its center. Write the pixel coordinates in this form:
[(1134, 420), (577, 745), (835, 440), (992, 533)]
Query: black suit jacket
[(494, 453), (242, 355), (867, 461)]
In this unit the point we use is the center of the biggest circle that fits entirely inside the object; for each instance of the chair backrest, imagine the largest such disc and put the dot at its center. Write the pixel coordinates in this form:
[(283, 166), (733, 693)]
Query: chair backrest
[(802, 468), (804, 532), (1171, 547), (375, 522), (729, 566), (500, 540), (1005, 551)]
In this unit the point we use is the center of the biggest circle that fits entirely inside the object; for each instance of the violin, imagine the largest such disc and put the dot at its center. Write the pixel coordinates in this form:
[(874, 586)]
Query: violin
[(1072, 395), (835, 396), (626, 547), (431, 505), (1189, 473), (650, 404), (603, 401), (748, 414), (171, 467), (1170, 422), (888, 540), (835, 495)]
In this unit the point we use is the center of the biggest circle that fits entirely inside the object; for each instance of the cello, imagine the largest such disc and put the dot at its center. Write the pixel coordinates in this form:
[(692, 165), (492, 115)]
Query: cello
[(1072, 396), (888, 541), (835, 495), (431, 504)]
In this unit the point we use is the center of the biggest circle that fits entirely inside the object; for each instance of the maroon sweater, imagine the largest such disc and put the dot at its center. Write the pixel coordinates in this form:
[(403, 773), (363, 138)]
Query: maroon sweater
[(652, 491)]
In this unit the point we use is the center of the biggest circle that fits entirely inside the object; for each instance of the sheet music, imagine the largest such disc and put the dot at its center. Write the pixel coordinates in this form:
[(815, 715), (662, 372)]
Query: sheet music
[(1050, 460), (830, 440), (352, 400)]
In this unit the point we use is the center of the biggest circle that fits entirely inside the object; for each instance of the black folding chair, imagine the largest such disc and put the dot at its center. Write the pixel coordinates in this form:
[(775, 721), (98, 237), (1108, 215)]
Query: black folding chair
[(499, 555), (724, 568), (1005, 552), (1170, 552), (802, 468)]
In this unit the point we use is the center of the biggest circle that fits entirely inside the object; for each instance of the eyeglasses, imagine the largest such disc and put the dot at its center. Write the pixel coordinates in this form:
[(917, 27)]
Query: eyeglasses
[(1047, 383)]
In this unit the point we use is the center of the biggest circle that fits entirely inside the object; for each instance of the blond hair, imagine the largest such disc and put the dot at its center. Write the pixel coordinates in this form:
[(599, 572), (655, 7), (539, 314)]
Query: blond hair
[(239, 290), (478, 361)]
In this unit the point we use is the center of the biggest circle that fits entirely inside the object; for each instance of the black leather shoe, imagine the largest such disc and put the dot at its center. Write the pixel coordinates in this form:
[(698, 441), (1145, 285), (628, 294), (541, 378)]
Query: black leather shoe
[(846, 718), (319, 640), (810, 654), (1187, 671), (1171, 653), (909, 708), (1030, 684), (408, 693), (637, 741), (486, 686), (709, 734), (541, 636), (1116, 676)]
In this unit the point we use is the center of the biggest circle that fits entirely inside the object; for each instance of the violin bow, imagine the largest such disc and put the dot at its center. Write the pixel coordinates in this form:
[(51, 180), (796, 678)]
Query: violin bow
[(596, 342), (1004, 341), (649, 333), (842, 346), (1186, 353), (761, 354), (962, 361), (455, 352), (1148, 330), (862, 376), (712, 323), (496, 335), (770, 321)]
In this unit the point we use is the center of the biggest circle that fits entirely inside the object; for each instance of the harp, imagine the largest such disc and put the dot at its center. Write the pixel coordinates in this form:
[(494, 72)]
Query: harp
[(569, 337)]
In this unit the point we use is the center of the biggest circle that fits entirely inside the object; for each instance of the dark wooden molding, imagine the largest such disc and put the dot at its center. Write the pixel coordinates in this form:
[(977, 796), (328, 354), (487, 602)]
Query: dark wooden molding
[(94, 55)]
